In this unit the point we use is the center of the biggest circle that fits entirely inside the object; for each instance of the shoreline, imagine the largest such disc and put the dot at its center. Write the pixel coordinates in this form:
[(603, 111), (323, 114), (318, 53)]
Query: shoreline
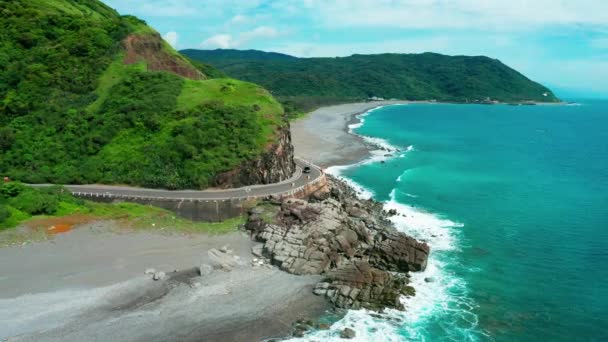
[(323, 136)]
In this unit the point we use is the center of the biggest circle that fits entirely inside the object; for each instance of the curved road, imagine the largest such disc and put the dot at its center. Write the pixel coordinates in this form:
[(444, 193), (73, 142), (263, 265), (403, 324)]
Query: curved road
[(298, 180)]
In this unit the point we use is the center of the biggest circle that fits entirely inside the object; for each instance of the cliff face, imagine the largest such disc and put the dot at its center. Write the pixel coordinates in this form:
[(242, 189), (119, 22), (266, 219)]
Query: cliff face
[(273, 166)]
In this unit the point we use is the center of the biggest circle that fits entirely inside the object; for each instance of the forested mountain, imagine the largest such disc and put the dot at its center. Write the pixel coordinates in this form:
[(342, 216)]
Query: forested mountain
[(89, 96), (306, 82)]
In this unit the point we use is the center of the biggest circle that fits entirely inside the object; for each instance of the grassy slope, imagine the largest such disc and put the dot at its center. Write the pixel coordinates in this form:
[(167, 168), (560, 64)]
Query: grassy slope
[(75, 113)]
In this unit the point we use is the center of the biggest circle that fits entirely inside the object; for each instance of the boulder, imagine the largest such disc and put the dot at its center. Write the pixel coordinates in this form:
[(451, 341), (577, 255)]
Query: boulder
[(323, 326), (160, 275), (398, 252), (258, 250), (205, 269), (356, 284), (221, 260), (348, 333)]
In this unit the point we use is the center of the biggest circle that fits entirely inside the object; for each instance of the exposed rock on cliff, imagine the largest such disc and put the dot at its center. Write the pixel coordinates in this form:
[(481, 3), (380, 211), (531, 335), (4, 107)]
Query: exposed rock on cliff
[(348, 240), (273, 166), (149, 48)]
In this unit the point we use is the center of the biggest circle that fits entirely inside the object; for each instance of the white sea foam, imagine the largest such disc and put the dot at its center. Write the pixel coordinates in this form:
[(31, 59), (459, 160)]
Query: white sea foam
[(437, 232), (361, 118), (446, 294), (337, 171)]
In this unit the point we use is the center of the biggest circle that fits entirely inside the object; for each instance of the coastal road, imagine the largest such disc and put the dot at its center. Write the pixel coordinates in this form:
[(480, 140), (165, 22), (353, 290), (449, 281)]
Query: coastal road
[(298, 180)]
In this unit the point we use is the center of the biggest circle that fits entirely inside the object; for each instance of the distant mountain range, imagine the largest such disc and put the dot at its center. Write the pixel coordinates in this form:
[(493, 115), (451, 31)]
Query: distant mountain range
[(303, 83)]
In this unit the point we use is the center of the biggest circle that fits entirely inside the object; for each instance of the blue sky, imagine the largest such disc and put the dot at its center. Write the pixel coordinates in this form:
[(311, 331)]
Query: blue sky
[(562, 44)]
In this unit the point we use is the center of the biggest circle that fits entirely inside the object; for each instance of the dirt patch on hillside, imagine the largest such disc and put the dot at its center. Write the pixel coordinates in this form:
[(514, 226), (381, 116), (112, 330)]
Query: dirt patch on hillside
[(149, 48)]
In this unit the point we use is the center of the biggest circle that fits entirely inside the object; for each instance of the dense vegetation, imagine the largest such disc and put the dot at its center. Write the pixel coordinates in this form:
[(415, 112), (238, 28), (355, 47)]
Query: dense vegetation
[(20, 203), (307, 82), (73, 111)]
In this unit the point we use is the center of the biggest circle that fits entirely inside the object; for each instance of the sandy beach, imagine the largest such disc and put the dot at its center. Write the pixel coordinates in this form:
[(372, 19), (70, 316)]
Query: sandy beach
[(322, 136), (89, 285)]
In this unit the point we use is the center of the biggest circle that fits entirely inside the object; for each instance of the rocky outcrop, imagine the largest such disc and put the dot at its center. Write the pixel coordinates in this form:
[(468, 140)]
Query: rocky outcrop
[(357, 284), (349, 241), (150, 48), (274, 165)]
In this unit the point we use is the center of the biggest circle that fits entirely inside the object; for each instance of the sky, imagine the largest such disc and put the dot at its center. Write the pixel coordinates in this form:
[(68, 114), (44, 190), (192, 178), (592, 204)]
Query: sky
[(562, 44)]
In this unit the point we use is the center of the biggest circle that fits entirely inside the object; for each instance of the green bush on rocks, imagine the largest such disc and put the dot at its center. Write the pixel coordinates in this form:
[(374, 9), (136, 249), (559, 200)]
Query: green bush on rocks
[(35, 202)]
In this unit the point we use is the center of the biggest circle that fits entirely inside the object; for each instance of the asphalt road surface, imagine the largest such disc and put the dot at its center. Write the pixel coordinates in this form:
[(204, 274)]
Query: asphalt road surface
[(298, 180)]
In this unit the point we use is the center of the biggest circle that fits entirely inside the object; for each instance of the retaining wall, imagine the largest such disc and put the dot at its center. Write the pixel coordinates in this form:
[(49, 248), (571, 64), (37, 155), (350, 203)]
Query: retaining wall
[(207, 210)]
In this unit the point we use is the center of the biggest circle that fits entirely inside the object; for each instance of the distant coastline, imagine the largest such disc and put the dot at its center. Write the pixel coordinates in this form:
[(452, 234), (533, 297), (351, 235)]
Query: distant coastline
[(323, 135)]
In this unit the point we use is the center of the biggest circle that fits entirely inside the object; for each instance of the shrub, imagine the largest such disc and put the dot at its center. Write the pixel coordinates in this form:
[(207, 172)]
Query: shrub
[(11, 189), (4, 213), (35, 202)]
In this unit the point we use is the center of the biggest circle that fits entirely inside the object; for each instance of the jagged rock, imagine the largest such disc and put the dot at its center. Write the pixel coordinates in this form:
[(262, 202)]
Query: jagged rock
[(160, 275), (351, 242), (356, 212), (321, 195), (348, 333), (358, 285), (398, 252), (258, 250)]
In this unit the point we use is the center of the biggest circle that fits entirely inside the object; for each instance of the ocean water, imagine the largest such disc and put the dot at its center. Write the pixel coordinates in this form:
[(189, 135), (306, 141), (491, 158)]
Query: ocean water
[(513, 201)]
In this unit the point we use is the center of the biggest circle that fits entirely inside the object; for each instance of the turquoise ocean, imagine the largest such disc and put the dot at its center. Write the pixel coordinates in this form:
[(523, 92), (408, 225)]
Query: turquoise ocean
[(513, 201)]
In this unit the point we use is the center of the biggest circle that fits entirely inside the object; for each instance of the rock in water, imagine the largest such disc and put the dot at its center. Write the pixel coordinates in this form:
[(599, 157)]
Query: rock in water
[(429, 279), (348, 333), (160, 275)]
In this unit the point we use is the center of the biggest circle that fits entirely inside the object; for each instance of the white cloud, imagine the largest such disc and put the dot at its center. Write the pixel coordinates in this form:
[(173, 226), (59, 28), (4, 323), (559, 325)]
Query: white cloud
[(222, 41), (228, 41), (171, 37), (259, 33), (239, 19)]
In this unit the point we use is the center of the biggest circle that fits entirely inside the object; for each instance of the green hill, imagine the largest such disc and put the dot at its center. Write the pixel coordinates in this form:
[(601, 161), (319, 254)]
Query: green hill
[(306, 82), (89, 96)]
